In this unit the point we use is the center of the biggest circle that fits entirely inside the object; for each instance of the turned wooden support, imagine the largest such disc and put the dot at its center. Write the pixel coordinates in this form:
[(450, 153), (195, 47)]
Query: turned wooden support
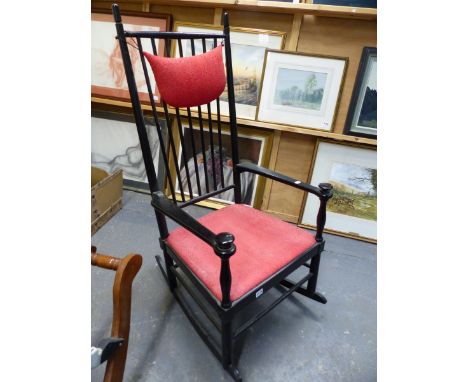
[(225, 248), (327, 193), (125, 271), (104, 261)]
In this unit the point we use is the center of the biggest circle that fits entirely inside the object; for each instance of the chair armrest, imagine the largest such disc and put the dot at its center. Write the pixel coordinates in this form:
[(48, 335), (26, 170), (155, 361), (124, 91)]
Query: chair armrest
[(222, 243), (323, 191), (171, 210)]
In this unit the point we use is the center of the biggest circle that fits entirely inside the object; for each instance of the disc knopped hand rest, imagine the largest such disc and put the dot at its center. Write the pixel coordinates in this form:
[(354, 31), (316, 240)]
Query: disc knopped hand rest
[(189, 81)]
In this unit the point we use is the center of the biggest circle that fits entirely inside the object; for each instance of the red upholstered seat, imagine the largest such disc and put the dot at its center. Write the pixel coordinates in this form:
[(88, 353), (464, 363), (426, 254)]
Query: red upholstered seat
[(264, 245)]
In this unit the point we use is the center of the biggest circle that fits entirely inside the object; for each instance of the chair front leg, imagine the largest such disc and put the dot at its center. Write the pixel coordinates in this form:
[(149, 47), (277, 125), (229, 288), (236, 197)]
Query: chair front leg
[(327, 192), (312, 283), (227, 346), (171, 278)]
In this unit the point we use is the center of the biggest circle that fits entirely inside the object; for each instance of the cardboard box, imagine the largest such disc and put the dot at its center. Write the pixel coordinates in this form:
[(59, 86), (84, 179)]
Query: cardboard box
[(106, 196)]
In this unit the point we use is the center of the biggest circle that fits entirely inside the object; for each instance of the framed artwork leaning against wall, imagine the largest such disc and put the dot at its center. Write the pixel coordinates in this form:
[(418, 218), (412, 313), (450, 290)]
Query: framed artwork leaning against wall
[(115, 145), (362, 114), (107, 71), (301, 89), (286, 1), (352, 170), (247, 50), (254, 146), (346, 3)]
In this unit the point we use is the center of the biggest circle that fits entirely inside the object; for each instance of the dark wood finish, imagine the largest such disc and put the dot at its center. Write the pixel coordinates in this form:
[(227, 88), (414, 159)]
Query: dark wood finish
[(221, 313), (225, 248), (125, 271), (327, 192)]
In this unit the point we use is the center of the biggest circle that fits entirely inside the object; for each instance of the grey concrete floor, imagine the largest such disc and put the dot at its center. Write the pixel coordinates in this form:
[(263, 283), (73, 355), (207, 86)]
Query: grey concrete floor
[(300, 340)]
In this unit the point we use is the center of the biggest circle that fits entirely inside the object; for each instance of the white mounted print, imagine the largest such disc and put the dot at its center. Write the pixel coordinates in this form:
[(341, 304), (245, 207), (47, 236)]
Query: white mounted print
[(301, 90), (353, 173)]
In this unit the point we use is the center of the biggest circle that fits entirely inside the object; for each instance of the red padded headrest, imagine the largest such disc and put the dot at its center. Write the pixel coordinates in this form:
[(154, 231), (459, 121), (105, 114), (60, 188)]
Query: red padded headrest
[(189, 81)]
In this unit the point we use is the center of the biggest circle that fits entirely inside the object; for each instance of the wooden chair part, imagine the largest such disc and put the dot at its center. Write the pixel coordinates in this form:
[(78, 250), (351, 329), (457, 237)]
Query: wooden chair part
[(180, 267), (125, 271)]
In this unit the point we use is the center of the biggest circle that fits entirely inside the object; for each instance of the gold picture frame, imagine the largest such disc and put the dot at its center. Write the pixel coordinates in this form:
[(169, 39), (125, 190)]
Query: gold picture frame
[(247, 47)]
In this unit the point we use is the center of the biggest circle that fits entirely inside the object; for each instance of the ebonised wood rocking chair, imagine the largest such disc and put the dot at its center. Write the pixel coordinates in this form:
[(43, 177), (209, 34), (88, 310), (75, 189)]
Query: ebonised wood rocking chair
[(229, 258)]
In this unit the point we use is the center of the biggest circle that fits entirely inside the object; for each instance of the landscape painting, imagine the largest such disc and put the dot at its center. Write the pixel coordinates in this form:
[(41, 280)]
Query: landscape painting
[(301, 89), (247, 63), (247, 53), (354, 191)]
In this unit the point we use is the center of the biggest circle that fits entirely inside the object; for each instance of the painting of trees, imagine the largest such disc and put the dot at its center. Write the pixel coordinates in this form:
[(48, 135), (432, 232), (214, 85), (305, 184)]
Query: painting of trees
[(300, 88)]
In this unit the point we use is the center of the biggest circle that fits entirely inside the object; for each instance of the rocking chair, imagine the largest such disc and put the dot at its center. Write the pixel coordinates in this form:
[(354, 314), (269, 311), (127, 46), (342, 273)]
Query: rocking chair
[(231, 257)]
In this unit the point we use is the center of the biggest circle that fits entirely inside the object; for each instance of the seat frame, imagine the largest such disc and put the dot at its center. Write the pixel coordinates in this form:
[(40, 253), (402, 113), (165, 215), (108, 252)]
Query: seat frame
[(220, 313)]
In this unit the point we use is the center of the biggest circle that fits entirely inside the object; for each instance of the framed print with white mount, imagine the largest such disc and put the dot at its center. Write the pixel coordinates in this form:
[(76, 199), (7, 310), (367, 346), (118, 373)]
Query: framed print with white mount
[(352, 170), (248, 51), (362, 114), (301, 89)]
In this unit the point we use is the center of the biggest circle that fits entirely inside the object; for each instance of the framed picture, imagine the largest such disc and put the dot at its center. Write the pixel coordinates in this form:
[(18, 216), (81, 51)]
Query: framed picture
[(285, 1), (248, 50), (254, 147), (108, 78), (301, 89), (352, 171), (115, 145), (362, 114), (347, 3)]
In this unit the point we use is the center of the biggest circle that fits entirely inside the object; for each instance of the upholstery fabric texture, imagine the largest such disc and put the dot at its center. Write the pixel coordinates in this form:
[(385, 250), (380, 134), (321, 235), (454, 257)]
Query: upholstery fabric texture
[(189, 81), (264, 245)]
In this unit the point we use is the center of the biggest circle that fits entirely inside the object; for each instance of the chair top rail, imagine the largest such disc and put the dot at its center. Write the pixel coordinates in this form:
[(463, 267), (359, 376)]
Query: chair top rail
[(173, 35)]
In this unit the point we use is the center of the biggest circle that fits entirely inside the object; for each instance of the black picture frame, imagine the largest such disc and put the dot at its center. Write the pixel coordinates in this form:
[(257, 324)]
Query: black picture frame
[(363, 98), (349, 3)]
